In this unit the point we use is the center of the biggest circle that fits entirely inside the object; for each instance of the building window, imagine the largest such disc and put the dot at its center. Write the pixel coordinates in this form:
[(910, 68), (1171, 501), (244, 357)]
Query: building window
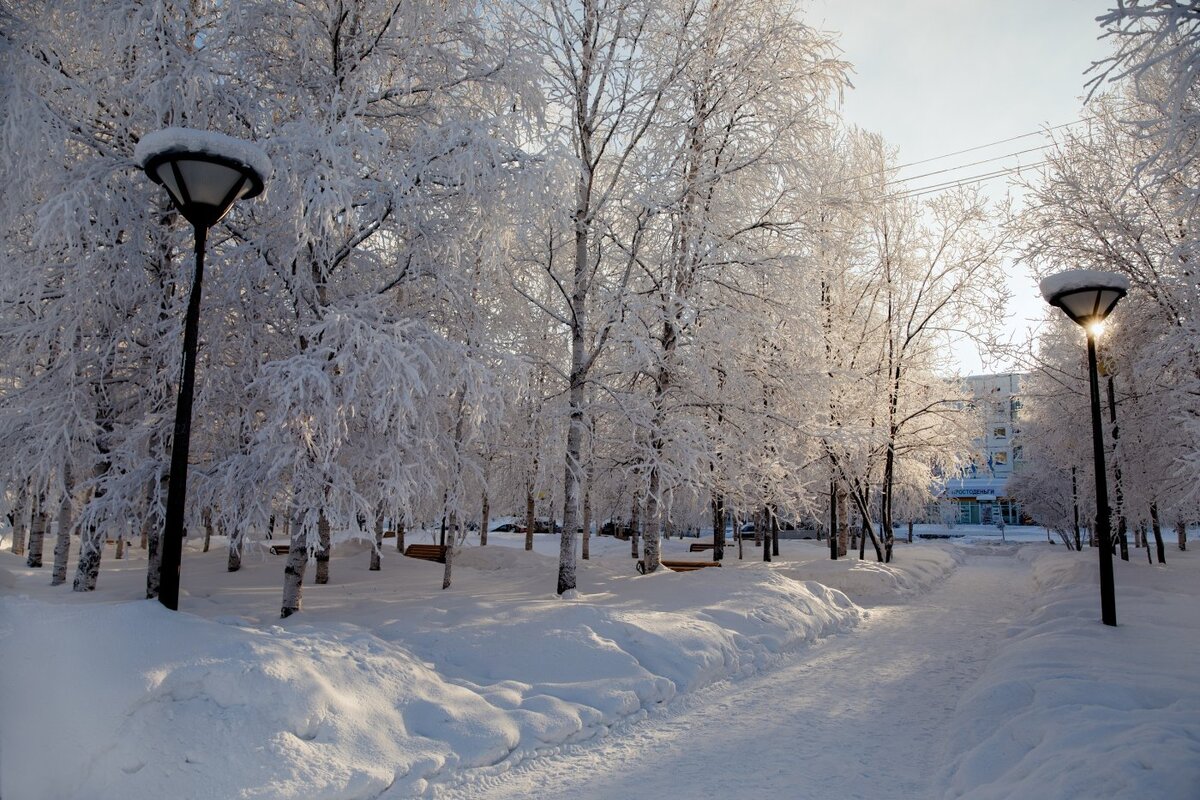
[(1000, 457), (1018, 453), (1000, 433)]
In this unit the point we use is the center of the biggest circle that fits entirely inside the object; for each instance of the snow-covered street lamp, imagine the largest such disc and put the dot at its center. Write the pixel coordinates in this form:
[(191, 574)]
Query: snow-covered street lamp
[(205, 173), (1088, 297)]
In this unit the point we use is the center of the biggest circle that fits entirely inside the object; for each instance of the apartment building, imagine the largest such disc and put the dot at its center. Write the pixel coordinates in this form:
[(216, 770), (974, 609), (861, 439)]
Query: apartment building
[(979, 495)]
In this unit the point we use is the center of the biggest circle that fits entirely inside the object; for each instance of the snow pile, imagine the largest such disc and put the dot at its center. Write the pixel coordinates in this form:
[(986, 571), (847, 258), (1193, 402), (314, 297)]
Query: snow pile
[(914, 570), (1072, 708), (105, 699), (143, 701)]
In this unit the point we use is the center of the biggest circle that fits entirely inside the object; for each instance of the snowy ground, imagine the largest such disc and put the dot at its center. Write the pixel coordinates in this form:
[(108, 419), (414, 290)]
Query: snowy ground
[(972, 669)]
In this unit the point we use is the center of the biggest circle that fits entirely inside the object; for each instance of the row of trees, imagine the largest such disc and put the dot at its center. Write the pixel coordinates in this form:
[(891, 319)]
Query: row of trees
[(589, 259), (1119, 194)]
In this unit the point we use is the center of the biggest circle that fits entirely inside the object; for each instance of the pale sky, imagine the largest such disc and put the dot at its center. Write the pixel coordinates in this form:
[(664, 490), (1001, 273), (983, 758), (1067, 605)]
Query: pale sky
[(938, 76)]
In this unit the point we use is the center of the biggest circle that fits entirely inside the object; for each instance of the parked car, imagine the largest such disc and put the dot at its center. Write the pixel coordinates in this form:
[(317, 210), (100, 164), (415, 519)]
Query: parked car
[(506, 525), (615, 528), (787, 530)]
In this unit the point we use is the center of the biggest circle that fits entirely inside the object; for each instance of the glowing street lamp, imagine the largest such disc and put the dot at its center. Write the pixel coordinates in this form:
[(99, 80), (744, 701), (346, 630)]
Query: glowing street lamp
[(1088, 297), (205, 173)]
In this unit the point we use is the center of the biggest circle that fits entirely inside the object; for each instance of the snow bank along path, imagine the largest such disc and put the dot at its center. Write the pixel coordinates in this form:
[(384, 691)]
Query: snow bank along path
[(860, 715), (1071, 709), (385, 683), (745, 682)]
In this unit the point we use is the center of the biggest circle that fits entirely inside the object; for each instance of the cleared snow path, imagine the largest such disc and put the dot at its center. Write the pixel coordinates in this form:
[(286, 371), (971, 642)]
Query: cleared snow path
[(855, 716)]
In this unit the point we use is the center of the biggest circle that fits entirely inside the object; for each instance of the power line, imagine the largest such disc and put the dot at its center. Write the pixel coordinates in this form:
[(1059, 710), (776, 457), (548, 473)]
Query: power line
[(1041, 132), (1018, 137), (954, 184), (957, 183), (973, 163)]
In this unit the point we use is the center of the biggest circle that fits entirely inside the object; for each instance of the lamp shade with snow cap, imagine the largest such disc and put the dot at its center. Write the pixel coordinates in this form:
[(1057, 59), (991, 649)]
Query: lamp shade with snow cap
[(1086, 296), (204, 172)]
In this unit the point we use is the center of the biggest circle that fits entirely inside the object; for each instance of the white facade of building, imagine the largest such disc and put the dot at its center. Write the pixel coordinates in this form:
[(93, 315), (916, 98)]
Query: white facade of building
[(979, 495)]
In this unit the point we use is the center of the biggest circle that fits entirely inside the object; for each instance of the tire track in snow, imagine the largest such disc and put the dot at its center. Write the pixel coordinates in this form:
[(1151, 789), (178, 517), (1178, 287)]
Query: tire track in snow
[(858, 715)]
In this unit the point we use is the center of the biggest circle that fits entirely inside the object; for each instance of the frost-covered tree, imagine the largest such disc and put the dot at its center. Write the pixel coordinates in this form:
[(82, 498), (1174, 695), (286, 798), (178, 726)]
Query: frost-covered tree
[(1156, 59), (390, 161), (899, 275), (605, 68), (727, 161), (91, 290), (331, 343), (1099, 207)]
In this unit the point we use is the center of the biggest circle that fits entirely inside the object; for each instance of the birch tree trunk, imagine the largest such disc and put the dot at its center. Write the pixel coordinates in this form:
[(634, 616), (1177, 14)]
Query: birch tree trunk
[(236, 539), (62, 544), (1156, 526), (377, 550), (323, 549), (120, 551), (20, 523), (37, 534), (760, 524), (774, 532), (718, 506), (91, 545), (87, 570), (208, 528), (587, 521), (152, 529), (861, 498), (293, 571), (652, 541), (635, 524), (529, 516), (451, 543), (1181, 534), (843, 531), (400, 536), (483, 525), (580, 364), (91, 541), (833, 522)]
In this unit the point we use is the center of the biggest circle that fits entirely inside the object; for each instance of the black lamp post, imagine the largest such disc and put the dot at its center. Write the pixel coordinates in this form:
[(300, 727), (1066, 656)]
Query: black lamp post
[(205, 173), (1087, 297)]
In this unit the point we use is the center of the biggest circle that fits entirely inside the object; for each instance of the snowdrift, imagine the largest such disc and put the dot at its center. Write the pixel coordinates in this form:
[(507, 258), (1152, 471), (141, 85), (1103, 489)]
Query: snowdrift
[(1072, 708), (915, 571), (105, 699)]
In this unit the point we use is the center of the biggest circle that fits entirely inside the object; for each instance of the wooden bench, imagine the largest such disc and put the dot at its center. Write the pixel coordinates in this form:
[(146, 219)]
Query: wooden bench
[(429, 552), (679, 566), (700, 547), (389, 534), (279, 549)]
